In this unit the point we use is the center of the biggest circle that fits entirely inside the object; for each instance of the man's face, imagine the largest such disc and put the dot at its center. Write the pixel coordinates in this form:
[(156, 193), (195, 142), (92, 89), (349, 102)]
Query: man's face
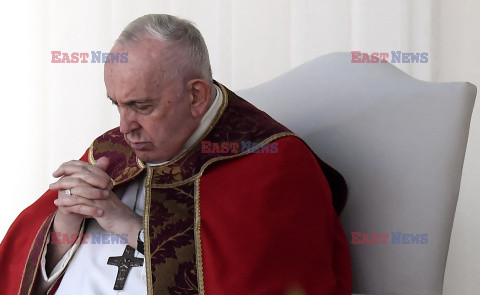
[(155, 112)]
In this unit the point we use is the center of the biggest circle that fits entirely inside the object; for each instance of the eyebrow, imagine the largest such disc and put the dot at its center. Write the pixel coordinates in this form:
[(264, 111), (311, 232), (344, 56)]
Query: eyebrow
[(132, 102)]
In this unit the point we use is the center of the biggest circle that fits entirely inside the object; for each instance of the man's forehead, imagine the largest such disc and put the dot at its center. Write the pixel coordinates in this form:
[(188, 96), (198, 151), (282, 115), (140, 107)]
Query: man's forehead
[(145, 72), (144, 57)]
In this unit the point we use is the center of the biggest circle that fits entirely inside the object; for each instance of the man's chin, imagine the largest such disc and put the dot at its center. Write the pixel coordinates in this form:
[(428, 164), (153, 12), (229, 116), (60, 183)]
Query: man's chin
[(143, 156), (147, 157)]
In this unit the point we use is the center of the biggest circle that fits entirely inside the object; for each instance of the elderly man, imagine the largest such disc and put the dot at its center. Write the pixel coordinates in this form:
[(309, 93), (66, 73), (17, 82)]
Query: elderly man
[(180, 199)]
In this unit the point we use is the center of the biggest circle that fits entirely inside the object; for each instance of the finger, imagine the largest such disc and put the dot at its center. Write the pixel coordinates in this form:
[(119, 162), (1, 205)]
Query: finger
[(77, 196), (71, 204), (82, 209), (75, 166), (88, 192), (102, 163), (84, 177), (92, 174), (73, 200), (72, 167), (67, 182), (69, 166)]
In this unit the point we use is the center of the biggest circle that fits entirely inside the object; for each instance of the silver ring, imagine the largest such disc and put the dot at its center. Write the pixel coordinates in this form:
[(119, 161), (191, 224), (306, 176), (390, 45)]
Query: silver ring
[(68, 192)]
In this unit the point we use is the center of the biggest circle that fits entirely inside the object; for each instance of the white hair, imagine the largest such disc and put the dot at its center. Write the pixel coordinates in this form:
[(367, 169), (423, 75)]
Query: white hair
[(182, 34)]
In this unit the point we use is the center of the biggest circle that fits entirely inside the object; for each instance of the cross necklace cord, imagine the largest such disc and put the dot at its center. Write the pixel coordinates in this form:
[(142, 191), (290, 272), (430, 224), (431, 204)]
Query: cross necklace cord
[(127, 260)]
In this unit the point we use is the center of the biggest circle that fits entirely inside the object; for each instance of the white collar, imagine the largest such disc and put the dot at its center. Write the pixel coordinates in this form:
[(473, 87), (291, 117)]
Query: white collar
[(207, 119)]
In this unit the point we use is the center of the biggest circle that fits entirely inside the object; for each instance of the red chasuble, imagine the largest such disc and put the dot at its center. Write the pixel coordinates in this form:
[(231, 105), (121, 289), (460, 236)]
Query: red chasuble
[(247, 210)]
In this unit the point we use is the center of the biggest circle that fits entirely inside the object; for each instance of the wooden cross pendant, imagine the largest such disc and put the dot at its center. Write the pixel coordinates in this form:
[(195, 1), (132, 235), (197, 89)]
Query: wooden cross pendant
[(124, 263)]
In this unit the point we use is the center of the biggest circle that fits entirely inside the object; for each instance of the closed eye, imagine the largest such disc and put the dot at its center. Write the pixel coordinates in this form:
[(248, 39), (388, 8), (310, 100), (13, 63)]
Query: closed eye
[(142, 106)]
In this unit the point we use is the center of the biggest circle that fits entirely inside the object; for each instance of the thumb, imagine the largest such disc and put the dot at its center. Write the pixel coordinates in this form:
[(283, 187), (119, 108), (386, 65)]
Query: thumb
[(102, 163)]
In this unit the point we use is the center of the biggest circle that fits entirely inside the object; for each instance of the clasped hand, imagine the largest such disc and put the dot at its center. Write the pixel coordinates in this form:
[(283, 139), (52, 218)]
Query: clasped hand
[(90, 196)]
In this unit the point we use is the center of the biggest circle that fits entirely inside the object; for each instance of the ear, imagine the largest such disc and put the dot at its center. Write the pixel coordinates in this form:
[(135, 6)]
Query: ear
[(200, 96)]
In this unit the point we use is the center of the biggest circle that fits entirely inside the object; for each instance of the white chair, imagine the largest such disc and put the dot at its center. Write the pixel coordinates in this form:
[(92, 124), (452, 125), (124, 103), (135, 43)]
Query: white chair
[(399, 143)]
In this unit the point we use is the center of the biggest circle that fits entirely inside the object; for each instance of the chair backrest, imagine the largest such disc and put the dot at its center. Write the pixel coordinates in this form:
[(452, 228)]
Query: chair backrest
[(400, 144)]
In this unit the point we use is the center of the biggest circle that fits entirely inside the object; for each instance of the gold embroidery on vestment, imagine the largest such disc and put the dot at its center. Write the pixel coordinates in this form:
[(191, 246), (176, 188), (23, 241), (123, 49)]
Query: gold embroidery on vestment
[(39, 256), (146, 228)]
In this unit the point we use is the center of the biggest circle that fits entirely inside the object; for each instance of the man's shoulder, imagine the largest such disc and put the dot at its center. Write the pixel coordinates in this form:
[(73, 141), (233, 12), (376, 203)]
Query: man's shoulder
[(279, 155), (280, 161)]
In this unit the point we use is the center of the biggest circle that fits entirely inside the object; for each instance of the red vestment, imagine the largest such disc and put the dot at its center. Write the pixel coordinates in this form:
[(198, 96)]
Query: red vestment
[(261, 223)]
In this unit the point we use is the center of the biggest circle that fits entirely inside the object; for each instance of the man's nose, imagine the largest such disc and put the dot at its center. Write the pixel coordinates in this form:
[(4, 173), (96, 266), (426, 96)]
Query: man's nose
[(128, 121)]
